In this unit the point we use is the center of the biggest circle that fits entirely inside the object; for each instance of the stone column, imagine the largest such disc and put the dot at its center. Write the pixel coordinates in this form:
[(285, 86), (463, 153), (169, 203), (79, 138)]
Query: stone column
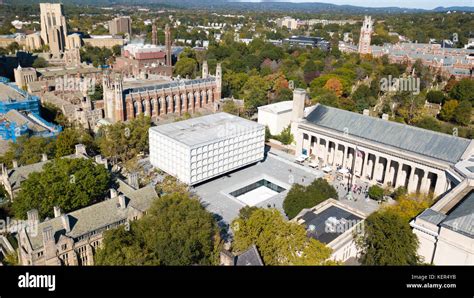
[(326, 152), (344, 158), (400, 182), (155, 107), (413, 180), (386, 176), (178, 103), (441, 185), (147, 108), (364, 165), (370, 167), (425, 182)]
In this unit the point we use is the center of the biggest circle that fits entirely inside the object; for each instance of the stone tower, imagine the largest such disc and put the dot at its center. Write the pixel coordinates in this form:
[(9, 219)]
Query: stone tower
[(53, 26), (168, 45), (365, 35), (154, 37), (218, 80), (205, 70)]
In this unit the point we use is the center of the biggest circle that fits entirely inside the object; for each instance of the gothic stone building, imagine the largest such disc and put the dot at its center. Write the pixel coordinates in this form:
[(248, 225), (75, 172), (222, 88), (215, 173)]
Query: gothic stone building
[(72, 239), (122, 103)]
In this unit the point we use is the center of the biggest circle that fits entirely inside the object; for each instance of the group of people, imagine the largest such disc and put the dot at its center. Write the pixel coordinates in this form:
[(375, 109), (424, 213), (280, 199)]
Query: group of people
[(356, 189)]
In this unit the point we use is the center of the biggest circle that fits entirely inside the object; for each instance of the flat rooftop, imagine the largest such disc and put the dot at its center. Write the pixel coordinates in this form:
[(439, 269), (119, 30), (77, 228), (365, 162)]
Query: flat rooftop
[(205, 129), (278, 107), (8, 92), (61, 71), (138, 85), (317, 223)]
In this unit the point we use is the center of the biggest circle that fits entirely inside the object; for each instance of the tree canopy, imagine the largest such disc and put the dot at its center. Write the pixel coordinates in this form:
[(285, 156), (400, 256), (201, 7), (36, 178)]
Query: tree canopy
[(123, 141), (279, 242), (388, 240), (176, 230), (300, 197), (67, 183)]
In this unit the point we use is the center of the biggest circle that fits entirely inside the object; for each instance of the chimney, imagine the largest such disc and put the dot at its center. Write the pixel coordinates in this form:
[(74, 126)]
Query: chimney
[(80, 149), (15, 163), (44, 157), (47, 235), (122, 201), (57, 211), (113, 193), (32, 215), (66, 224), (133, 180), (385, 116), (299, 97)]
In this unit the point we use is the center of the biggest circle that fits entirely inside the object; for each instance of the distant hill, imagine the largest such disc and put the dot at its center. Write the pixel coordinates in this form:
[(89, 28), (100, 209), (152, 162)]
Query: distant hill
[(276, 6), (454, 8)]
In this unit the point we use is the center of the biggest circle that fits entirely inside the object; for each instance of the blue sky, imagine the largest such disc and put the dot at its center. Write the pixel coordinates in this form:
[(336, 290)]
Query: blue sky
[(426, 4)]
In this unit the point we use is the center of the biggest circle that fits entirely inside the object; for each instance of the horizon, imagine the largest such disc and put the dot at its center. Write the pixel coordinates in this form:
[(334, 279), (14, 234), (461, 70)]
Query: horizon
[(414, 4)]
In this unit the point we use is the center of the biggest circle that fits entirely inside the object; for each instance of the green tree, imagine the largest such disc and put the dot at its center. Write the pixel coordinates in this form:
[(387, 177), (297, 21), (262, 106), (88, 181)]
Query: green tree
[(285, 137), (233, 83), (67, 183), (69, 138), (435, 96), (279, 242), (363, 98), (376, 192), (448, 110), (230, 107), (40, 62), (428, 122), (462, 113), (255, 92), (300, 197), (28, 150), (268, 134), (123, 141), (116, 50), (185, 67), (98, 93), (176, 230), (387, 240), (463, 90)]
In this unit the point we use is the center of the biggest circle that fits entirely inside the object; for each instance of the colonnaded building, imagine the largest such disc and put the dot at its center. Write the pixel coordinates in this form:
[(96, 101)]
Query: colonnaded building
[(385, 152), (123, 101), (394, 154), (201, 148)]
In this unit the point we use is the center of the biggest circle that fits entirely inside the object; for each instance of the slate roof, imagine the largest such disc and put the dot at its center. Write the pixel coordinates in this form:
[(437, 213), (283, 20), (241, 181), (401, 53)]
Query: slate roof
[(17, 175), (97, 216), (250, 257), (432, 216), (174, 84), (461, 217), (401, 136)]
